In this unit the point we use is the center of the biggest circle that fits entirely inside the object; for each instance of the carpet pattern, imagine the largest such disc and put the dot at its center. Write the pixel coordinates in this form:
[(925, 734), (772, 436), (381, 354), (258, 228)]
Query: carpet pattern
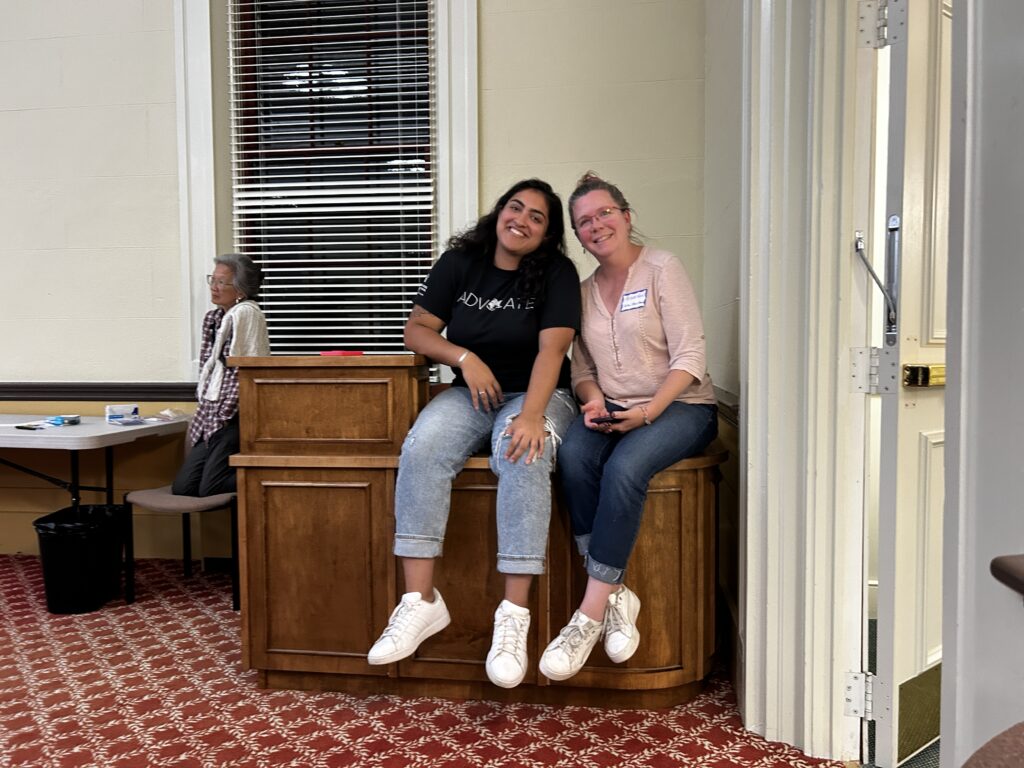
[(160, 683)]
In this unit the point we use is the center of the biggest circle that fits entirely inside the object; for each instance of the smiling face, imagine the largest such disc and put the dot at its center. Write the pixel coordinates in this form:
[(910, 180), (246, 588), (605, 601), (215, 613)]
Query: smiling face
[(522, 225), (601, 225), (222, 287)]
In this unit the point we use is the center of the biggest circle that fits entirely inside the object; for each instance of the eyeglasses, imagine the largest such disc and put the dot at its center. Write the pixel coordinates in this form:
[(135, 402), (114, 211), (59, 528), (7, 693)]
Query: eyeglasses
[(602, 215), (219, 283)]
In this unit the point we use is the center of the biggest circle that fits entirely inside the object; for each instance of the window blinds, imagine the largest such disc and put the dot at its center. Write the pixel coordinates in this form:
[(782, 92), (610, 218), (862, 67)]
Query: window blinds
[(332, 115)]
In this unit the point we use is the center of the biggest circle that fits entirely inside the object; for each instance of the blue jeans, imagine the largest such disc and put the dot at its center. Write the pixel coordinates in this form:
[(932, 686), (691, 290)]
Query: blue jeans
[(446, 433), (604, 479)]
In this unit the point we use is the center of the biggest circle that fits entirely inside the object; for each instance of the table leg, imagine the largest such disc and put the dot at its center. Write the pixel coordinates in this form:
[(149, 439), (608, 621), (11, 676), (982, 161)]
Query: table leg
[(73, 487), (108, 458), (128, 532)]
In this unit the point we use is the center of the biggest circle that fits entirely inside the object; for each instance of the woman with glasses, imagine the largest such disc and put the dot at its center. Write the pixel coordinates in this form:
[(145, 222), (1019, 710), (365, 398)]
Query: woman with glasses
[(236, 326), (638, 369), (508, 298)]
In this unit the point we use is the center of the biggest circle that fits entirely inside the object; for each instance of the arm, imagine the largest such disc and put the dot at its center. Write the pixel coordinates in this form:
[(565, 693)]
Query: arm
[(423, 336), (674, 385), (588, 391), (526, 432)]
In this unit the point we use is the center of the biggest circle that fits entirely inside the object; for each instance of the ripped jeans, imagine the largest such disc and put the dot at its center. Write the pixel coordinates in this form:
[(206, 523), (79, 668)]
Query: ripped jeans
[(446, 433)]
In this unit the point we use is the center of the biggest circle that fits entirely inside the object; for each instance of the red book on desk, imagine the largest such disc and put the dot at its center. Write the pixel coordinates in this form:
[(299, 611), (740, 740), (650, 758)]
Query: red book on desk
[(342, 352)]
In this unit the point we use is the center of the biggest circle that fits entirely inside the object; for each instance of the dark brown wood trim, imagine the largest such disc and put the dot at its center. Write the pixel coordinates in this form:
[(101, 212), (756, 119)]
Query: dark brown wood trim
[(728, 406), (111, 392)]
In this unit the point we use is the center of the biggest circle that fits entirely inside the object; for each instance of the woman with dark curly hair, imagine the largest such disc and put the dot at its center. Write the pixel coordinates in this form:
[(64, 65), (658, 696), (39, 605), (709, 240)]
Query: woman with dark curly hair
[(508, 297)]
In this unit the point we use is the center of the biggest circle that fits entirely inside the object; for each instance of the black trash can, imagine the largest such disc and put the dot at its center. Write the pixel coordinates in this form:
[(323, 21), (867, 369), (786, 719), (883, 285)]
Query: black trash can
[(80, 548)]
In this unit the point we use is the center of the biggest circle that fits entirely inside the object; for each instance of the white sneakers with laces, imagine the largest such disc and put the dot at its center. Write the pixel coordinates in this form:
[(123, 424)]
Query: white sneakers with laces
[(567, 653), (506, 662), (412, 622), (621, 637)]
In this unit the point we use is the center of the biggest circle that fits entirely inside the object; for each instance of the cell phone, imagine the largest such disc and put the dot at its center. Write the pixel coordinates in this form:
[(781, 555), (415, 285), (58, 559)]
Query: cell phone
[(604, 420)]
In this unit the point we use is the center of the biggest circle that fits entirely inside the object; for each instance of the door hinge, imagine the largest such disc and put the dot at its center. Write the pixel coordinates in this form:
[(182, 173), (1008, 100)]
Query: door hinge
[(858, 695), (874, 370), (880, 22)]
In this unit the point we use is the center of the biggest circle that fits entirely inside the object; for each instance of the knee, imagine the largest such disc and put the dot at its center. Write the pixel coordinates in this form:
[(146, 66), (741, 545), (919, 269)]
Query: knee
[(625, 474)]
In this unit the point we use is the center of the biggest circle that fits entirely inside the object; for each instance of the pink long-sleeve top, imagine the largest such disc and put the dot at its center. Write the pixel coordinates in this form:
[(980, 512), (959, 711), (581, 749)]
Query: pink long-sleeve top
[(656, 327)]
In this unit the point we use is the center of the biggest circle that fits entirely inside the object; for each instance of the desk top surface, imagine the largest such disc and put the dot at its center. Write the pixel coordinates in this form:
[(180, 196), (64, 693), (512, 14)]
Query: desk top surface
[(93, 432)]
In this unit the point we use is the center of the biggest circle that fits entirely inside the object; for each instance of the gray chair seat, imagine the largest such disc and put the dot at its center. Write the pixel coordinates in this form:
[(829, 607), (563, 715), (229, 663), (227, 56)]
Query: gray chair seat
[(163, 501)]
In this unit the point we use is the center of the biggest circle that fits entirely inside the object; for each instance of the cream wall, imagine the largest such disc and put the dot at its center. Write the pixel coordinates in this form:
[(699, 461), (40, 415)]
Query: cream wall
[(616, 86), (91, 287), (722, 226)]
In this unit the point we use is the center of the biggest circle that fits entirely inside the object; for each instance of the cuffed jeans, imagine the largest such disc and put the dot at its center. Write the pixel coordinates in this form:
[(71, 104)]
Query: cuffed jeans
[(446, 433), (604, 478)]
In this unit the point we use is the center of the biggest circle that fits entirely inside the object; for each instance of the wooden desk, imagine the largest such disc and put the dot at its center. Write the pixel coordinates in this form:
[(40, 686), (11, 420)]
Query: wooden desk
[(319, 578)]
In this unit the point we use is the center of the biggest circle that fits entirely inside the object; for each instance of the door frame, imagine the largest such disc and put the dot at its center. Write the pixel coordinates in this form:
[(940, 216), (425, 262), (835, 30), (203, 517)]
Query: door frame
[(801, 491)]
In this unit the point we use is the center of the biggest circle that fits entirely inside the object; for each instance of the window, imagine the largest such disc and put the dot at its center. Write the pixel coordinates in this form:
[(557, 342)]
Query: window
[(334, 165)]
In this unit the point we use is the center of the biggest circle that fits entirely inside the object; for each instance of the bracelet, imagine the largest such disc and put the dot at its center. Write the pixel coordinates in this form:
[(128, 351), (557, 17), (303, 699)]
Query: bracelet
[(461, 358), (643, 410)]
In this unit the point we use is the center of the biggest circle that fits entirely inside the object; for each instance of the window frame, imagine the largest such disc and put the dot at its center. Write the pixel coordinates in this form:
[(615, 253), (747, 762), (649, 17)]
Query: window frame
[(199, 149)]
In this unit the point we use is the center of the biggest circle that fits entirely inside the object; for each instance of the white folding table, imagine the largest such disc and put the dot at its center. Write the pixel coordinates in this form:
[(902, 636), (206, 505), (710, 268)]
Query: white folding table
[(93, 432)]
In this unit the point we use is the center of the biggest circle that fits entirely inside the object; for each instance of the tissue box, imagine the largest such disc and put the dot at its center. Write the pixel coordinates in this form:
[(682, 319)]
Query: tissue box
[(121, 414)]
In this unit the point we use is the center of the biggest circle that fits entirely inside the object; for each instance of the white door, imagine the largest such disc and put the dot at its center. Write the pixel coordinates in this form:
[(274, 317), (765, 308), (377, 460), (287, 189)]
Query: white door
[(911, 334)]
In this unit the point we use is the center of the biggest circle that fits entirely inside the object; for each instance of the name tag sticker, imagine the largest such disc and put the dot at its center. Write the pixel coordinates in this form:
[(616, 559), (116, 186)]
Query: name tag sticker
[(633, 300)]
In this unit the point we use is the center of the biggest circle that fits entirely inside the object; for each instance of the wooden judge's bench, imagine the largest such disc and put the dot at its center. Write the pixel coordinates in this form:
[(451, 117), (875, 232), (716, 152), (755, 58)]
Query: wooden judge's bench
[(320, 441)]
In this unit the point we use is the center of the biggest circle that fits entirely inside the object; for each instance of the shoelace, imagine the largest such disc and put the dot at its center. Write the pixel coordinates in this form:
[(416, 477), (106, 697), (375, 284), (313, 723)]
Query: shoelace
[(614, 619), (510, 633), (403, 614), (575, 636)]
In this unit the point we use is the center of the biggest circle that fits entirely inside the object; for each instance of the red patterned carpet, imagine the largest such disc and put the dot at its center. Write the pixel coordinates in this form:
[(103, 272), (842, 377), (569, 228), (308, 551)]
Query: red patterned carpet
[(159, 683)]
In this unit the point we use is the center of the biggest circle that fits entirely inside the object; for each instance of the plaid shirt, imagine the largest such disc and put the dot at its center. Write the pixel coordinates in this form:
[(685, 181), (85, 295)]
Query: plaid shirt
[(212, 415)]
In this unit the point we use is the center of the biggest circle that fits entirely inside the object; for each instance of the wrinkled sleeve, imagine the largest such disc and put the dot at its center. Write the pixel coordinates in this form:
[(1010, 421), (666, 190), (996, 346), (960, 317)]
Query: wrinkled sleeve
[(562, 297), (583, 368), (680, 314)]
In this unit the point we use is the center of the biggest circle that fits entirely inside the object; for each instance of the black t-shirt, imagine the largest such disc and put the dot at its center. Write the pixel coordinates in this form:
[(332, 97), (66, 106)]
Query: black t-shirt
[(485, 313)]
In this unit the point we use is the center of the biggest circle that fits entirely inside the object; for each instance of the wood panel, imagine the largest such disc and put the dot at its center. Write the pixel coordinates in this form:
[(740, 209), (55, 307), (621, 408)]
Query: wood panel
[(319, 573), (340, 407), (320, 579)]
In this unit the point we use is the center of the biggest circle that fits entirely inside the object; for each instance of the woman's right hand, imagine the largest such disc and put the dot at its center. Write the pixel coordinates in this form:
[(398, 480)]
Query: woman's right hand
[(484, 388), (594, 409)]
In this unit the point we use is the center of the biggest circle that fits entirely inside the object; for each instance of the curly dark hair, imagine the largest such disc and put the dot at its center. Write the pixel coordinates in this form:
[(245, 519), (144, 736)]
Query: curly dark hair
[(481, 240)]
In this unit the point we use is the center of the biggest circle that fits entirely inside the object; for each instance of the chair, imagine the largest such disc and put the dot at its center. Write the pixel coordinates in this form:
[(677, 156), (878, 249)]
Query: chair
[(162, 500)]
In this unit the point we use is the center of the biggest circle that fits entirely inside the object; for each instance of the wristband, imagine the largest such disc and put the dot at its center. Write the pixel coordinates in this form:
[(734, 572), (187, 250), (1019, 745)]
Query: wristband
[(462, 357), (643, 410)]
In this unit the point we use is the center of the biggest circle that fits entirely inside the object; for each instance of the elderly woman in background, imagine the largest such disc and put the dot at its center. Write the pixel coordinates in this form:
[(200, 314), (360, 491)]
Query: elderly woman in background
[(236, 326)]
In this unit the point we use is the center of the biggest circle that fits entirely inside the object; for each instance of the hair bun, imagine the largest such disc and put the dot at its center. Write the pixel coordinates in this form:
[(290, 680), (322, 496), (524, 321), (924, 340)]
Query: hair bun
[(588, 177)]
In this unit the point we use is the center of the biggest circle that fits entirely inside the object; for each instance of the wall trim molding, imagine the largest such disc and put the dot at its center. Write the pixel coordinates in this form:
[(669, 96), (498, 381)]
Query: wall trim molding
[(109, 391)]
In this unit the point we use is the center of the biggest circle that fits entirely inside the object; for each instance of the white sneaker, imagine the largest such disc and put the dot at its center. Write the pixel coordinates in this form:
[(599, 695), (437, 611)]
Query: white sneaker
[(621, 636), (506, 662), (567, 653), (412, 622)]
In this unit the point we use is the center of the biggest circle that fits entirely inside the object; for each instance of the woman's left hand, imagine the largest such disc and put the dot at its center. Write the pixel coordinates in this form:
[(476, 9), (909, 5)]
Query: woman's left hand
[(525, 435), (626, 421)]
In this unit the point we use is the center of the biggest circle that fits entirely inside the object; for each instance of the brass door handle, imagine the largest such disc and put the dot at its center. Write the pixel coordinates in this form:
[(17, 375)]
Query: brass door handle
[(924, 375)]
